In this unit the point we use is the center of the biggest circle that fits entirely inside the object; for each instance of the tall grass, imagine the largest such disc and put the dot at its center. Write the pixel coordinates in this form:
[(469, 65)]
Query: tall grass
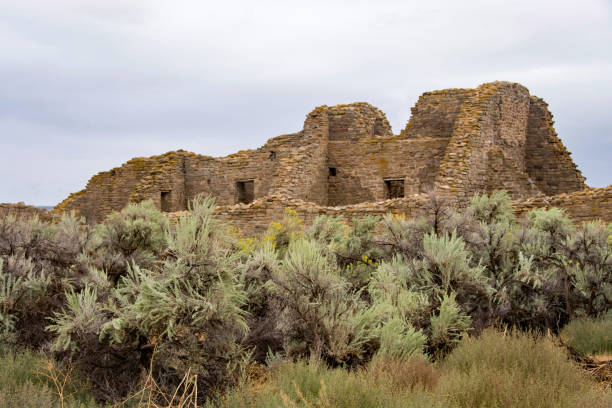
[(27, 380), (307, 384), (495, 370), (589, 336), (516, 370)]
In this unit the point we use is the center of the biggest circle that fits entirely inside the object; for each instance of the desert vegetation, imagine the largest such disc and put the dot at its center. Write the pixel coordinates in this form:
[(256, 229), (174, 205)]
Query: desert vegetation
[(464, 308)]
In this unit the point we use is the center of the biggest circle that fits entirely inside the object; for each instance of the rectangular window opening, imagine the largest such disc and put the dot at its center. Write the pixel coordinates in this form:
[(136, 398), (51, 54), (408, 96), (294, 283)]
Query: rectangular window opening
[(394, 188), (166, 201), (332, 172), (245, 191)]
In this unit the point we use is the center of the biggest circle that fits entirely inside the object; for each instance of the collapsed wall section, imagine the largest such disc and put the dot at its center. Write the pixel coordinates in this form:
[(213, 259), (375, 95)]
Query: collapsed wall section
[(21, 210), (435, 113), (584, 205), (548, 162)]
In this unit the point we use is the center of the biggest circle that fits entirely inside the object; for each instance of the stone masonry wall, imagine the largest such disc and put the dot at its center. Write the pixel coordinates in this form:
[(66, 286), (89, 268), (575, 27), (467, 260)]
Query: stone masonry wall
[(585, 205), (293, 164), (350, 126), (305, 176), (253, 219), (219, 176), (134, 181), (364, 157), (21, 210), (548, 162), (504, 174), (363, 167), (435, 114), (491, 125)]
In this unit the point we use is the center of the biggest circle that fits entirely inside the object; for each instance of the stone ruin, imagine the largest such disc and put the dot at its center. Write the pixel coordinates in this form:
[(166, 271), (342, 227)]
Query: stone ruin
[(347, 160)]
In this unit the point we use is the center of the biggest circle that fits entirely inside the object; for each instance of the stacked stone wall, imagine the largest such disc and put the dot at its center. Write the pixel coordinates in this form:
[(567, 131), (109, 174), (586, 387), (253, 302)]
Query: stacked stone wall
[(255, 218), (134, 181), (507, 129), (361, 168), (305, 175), (490, 126), (461, 169), (21, 210), (503, 173), (362, 157), (548, 162), (435, 114), (585, 205), (219, 176)]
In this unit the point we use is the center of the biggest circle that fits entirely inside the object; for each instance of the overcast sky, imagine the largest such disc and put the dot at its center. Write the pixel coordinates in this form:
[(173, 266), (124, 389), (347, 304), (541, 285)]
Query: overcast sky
[(85, 85)]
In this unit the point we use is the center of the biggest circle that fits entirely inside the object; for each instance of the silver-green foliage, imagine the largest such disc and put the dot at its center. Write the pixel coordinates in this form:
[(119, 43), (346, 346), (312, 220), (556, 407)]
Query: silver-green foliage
[(321, 315), (189, 307), (21, 286), (40, 261), (137, 234), (422, 293)]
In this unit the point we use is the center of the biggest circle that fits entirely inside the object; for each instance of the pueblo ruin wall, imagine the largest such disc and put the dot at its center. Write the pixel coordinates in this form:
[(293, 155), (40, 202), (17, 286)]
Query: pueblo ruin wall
[(346, 158)]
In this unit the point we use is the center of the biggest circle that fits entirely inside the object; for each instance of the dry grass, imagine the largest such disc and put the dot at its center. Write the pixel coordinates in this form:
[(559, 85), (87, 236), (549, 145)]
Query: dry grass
[(311, 385), (397, 376), (32, 380), (602, 358), (589, 336), (515, 370)]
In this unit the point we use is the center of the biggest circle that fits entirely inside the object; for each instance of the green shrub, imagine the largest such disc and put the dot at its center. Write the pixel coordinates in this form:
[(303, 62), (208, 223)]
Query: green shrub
[(180, 316), (136, 235), (589, 250), (133, 299), (352, 245), (490, 209), (589, 335), (321, 317), (433, 294), (39, 262), (262, 306)]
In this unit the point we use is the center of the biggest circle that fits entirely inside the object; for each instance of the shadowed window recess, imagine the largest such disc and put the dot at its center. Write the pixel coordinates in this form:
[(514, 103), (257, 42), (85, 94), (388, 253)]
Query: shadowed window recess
[(245, 191), (166, 201), (394, 188)]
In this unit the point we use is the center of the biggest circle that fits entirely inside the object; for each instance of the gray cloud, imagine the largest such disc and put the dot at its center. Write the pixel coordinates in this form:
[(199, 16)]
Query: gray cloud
[(86, 85)]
